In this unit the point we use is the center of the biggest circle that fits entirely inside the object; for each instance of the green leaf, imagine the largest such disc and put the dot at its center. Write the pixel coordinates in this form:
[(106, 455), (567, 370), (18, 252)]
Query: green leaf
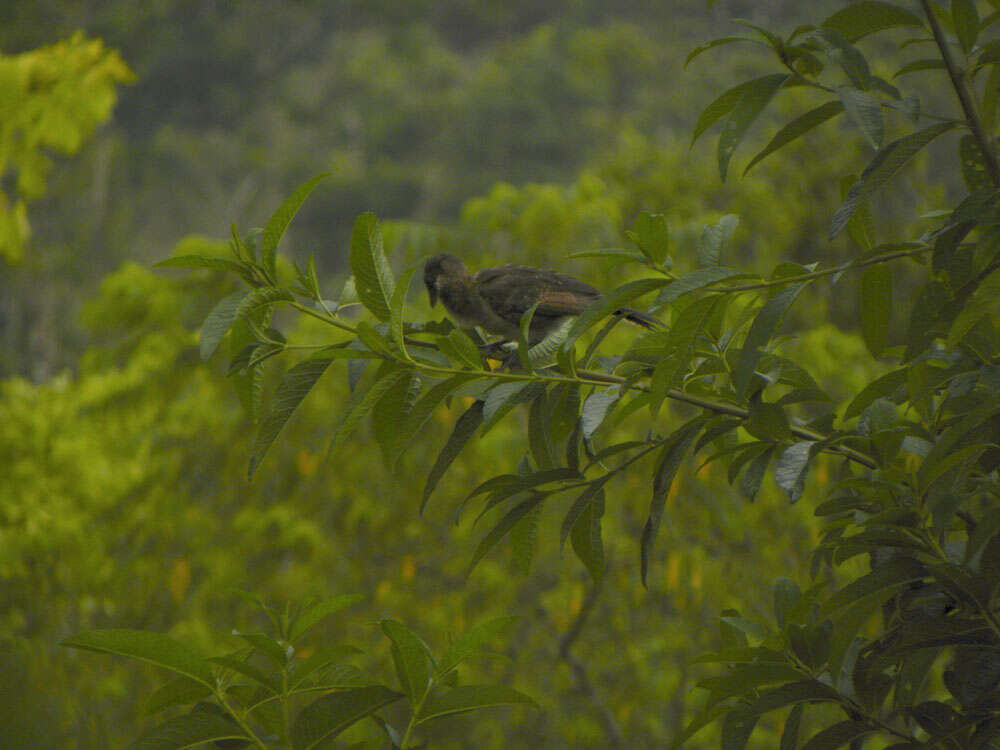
[(249, 385), (760, 333), (860, 19), (652, 235), (409, 654), (397, 304), (331, 714), (179, 691), (793, 694), (984, 302), (838, 735), (753, 101), (754, 474), (897, 572), (249, 671), (280, 220), (737, 728), (883, 387), (607, 304), (844, 54), (390, 414), (966, 18), (790, 732), (797, 128), (876, 307), (919, 65), (277, 652), (715, 239), (294, 386), (669, 462), (786, 596), (716, 43), (218, 322), (465, 426), (372, 275), (586, 538), (540, 441), (313, 614), (319, 659), (523, 334), (886, 163), (195, 728), (144, 645), (421, 411), (470, 698), (472, 640), (501, 530), (767, 421), (203, 261), (363, 401), (503, 397), (523, 539), (460, 349), (865, 111), (595, 409), (260, 299), (790, 471), (722, 105), (593, 492)]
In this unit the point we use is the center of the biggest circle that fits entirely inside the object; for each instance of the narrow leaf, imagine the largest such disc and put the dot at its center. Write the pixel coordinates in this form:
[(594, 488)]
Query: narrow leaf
[(721, 106), (744, 112), (607, 304), (372, 276), (790, 471), (472, 641), (363, 402), (155, 648), (411, 659), (465, 426), (760, 333), (586, 538), (501, 530), (797, 128), (280, 220), (191, 730), (471, 697), (294, 387), (860, 19), (865, 111), (331, 714), (218, 322), (876, 307)]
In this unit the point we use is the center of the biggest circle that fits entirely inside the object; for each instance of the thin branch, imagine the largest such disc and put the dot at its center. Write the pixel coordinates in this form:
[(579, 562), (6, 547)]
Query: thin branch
[(964, 97)]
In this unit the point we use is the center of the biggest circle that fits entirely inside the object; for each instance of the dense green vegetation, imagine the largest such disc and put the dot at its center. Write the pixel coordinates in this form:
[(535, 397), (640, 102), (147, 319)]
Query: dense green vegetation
[(528, 135)]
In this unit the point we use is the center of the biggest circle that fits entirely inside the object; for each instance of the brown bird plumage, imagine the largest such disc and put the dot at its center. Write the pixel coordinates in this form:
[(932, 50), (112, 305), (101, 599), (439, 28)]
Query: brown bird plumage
[(495, 298)]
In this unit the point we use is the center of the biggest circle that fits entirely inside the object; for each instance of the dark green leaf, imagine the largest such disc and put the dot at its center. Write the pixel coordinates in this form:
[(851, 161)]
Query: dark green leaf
[(767, 422), (372, 275), (722, 105), (607, 304), (716, 43), (250, 671), (844, 54), (897, 572), (889, 160), (860, 19), (876, 307), (315, 613), (786, 596), (191, 730), (966, 18), (472, 641), (790, 732), (753, 476), (586, 538), (864, 110), (470, 698), (760, 333), (652, 235), (409, 654), (397, 303), (465, 426), (838, 735), (669, 462), (280, 220), (179, 691), (501, 530), (218, 322), (753, 101), (737, 728), (144, 645), (294, 387), (362, 402), (596, 408), (883, 387), (503, 397), (918, 65), (797, 128), (793, 694), (260, 299), (331, 714), (715, 239)]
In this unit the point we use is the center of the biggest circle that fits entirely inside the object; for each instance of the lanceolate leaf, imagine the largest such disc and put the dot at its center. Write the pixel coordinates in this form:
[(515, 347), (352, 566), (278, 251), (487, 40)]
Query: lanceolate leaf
[(721, 106), (889, 160), (296, 383), (363, 402), (668, 464), (279, 221), (471, 697), (760, 333), (876, 306), (261, 298), (865, 110), (868, 16), (398, 301), (410, 657), (607, 304), (410, 428), (797, 128), (199, 726), (586, 538), (472, 640), (218, 322), (693, 281), (144, 645), (744, 112), (501, 530), (465, 427), (334, 712), (790, 471), (372, 276)]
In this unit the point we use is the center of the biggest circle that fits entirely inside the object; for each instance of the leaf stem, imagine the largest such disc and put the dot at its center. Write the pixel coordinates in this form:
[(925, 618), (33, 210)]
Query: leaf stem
[(964, 97)]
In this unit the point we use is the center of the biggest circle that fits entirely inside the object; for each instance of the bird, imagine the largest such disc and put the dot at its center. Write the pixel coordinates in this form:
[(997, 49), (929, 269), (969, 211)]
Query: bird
[(495, 299)]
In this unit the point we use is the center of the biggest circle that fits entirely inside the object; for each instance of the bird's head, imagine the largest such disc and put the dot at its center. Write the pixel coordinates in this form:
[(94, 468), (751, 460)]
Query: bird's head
[(441, 268)]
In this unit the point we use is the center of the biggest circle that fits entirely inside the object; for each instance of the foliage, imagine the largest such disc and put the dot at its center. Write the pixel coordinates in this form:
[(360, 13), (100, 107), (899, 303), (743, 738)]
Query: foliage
[(51, 98), (247, 697), (917, 489)]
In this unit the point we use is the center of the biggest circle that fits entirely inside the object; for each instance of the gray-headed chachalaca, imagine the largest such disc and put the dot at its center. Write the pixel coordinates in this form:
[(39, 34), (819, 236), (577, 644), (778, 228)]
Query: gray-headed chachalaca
[(495, 298)]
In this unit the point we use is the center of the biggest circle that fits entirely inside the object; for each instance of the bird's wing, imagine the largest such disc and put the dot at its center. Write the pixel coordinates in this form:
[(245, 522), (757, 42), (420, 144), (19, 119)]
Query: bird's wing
[(511, 290)]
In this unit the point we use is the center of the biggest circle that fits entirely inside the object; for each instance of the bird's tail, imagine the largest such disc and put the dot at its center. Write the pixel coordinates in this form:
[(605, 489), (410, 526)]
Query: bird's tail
[(639, 318)]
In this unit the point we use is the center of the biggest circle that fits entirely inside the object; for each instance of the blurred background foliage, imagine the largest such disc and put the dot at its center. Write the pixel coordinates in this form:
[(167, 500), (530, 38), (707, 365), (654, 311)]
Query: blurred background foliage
[(515, 133)]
